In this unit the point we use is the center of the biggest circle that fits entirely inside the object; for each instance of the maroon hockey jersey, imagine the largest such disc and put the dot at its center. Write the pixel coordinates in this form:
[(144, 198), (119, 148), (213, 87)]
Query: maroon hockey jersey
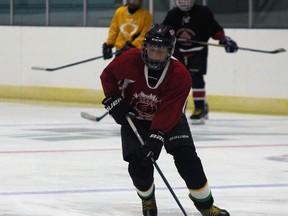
[(162, 104)]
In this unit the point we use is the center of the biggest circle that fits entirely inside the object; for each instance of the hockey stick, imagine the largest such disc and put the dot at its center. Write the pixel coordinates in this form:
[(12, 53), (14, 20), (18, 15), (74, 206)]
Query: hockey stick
[(69, 65), (90, 117), (240, 48), (156, 165)]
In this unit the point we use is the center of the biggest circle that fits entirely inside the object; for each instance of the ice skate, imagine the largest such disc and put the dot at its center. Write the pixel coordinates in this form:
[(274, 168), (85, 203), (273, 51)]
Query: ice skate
[(198, 117), (149, 207), (214, 211)]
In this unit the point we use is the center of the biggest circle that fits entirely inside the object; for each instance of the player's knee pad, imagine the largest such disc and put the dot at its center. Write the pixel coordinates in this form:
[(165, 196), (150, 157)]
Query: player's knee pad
[(184, 156), (189, 166), (141, 175)]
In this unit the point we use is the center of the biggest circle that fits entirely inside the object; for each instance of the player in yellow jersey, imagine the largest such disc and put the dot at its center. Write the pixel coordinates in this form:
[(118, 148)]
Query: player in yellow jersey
[(127, 29)]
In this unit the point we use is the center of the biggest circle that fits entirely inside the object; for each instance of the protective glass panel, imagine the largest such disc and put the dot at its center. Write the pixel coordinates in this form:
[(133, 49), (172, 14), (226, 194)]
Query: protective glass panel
[(100, 12), (66, 13), (4, 12), (230, 13), (160, 10), (29, 12), (270, 13)]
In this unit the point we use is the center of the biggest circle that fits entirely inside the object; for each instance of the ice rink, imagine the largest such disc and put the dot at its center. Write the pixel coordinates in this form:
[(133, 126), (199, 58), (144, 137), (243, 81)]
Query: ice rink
[(54, 163)]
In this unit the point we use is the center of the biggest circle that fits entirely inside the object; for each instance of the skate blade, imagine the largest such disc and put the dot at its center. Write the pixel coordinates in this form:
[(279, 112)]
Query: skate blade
[(198, 121)]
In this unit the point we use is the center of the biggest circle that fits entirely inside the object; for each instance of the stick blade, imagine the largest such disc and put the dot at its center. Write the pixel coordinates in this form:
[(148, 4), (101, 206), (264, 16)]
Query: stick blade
[(42, 68), (39, 68), (279, 50), (88, 116)]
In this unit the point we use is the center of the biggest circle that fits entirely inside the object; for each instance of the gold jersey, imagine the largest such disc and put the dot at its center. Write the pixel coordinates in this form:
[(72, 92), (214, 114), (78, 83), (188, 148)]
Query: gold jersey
[(126, 27)]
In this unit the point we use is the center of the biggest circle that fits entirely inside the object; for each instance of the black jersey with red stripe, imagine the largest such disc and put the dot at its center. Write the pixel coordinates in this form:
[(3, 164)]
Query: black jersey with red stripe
[(197, 24), (162, 103)]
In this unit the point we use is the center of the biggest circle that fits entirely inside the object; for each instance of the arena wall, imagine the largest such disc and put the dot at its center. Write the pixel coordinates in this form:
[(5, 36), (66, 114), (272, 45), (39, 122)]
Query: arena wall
[(249, 82)]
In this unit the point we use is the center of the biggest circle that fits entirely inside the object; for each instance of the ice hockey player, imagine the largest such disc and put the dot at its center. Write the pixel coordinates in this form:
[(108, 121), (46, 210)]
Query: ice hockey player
[(196, 22), (127, 29), (155, 87)]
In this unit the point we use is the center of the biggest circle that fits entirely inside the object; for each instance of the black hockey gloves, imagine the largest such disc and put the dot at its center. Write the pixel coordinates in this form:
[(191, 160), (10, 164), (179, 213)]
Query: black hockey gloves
[(152, 147), (229, 44), (107, 51), (118, 108)]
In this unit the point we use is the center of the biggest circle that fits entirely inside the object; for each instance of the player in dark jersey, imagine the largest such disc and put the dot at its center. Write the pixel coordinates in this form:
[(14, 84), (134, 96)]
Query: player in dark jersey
[(195, 22), (155, 87)]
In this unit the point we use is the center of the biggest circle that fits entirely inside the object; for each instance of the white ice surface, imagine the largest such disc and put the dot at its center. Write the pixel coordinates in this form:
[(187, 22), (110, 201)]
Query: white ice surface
[(54, 163)]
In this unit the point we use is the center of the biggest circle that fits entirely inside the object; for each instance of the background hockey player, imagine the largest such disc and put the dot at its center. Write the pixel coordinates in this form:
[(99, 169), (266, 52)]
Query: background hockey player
[(155, 88), (195, 22), (127, 29)]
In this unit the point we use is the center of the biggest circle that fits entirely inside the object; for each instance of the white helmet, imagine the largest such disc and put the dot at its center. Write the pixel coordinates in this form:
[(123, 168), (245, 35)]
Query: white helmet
[(184, 5)]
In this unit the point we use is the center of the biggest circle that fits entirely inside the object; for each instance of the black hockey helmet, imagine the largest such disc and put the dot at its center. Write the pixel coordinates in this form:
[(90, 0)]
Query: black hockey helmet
[(133, 5), (158, 35)]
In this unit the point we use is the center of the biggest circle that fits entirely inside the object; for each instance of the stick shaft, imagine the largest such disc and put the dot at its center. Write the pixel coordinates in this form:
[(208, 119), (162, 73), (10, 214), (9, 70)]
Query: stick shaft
[(75, 63), (101, 117), (240, 48), (72, 64)]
